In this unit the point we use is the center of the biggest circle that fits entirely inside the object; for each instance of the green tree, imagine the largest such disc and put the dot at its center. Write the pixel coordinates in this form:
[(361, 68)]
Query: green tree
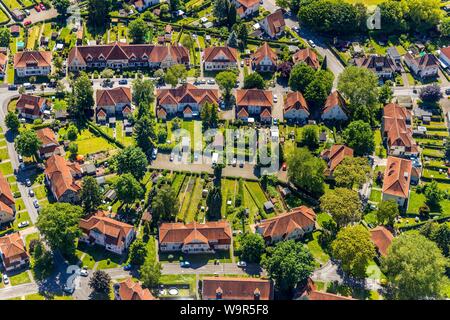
[(241, 33), (82, 98), (352, 171), (254, 81), (164, 204), (392, 14), (433, 194), (288, 263), (61, 6), (58, 223), (90, 195), (12, 121), (72, 132), (128, 188), (306, 171), (150, 272), (144, 134), (251, 247), (310, 137), (138, 29), (359, 136), (42, 262), (73, 149), (175, 73), (27, 143), (226, 81), (444, 27), (424, 15), (98, 12), (5, 36), (343, 205), (214, 203), (132, 160), (414, 267), (386, 93), (319, 88), (354, 249), (301, 75), (138, 252), (225, 13), (143, 95), (100, 282), (387, 212)]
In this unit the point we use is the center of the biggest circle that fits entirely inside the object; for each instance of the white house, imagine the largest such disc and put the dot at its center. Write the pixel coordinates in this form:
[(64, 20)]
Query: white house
[(335, 108), (246, 8), (33, 63), (220, 58), (295, 107), (396, 180)]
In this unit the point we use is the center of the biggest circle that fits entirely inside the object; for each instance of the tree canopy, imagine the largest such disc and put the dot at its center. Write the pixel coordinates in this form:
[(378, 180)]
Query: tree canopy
[(27, 143), (165, 204), (360, 137), (343, 205), (132, 160), (352, 171)]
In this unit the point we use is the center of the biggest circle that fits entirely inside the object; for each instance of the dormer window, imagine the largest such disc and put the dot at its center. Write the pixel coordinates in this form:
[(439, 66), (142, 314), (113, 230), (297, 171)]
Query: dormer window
[(219, 293)]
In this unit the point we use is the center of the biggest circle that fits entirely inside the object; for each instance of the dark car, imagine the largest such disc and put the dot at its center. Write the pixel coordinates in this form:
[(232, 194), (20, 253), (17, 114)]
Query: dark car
[(12, 87)]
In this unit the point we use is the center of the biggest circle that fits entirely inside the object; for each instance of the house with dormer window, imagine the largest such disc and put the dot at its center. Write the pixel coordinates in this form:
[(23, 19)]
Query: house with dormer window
[(220, 58), (33, 63)]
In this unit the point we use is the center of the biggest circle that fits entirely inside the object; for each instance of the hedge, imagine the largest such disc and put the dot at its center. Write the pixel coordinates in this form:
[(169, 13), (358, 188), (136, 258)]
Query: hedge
[(96, 130)]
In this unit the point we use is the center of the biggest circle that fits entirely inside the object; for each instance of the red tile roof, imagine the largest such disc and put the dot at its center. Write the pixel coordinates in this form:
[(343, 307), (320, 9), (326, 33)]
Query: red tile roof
[(295, 100), (46, 136), (307, 56), (396, 129), (275, 21), (12, 248), (185, 233), (32, 58), (115, 231), (253, 97), (335, 99), (60, 174), (335, 155), (231, 288), (397, 177), (264, 51), (424, 61), (130, 290), (381, 238), (310, 293), (283, 224), (6, 197), (230, 54), (30, 104), (112, 97), (187, 93)]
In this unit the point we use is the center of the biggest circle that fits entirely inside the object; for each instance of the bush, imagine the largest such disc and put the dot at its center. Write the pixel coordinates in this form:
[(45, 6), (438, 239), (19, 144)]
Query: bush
[(424, 211), (170, 257)]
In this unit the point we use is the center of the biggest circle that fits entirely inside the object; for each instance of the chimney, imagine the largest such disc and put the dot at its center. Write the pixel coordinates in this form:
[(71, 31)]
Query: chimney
[(219, 293), (257, 294)]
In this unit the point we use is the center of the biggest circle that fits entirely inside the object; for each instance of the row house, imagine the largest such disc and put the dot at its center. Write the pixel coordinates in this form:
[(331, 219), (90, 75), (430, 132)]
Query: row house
[(220, 58), (186, 99), (274, 24), (254, 103), (397, 132), (292, 225), (31, 107), (3, 62), (335, 108), (334, 156), (121, 55), (235, 288), (425, 66), (115, 236), (49, 143), (383, 66), (131, 290), (295, 107), (7, 202), (60, 176), (113, 102), (13, 252), (396, 180), (246, 8), (264, 59), (33, 63), (195, 237), (307, 56)]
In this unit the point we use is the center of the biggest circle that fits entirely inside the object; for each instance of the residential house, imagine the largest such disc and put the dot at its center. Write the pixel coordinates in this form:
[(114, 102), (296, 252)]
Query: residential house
[(246, 8), (295, 107), (15, 30), (114, 235), (423, 66), (195, 237), (335, 108), (49, 143), (7, 202), (383, 66), (60, 176), (264, 59), (121, 55), (396, 180), (31, 107), (235, 288), (141, 5), (307, 56), (334, 156), (273, 24), (292, 225), (382, 239), (13, 252), (33, 63), (310, 292), (3, 62), (397, 132), (444, 56), (220, 58), (130, 290), (254, 103), (113, 102), (186, 99)]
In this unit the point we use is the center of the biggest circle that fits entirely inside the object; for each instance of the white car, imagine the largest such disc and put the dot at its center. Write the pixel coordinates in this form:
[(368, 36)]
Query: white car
[(234, 162), (242, 264), (31, 192), (275, 98), (5, 279), (84, 272), (211, 81), (24, 224), (171, 156), (311, 43)]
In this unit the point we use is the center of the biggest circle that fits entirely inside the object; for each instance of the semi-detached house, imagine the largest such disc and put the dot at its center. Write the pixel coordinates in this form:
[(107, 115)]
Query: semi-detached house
[(33, 63), (220, 58)]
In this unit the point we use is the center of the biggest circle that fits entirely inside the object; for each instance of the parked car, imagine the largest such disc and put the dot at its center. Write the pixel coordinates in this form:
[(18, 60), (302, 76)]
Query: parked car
[(12, 87), (275, 98), (127, 267), (27, 23), (211, 81), (311, 43), (241, 164), (242, 264), (37, 8), (35, 203), (20, 158), (84, 272), (242, 63), (154, 153), (69, 289), (234, 162), (447, 92), (24, 224), (185, 264), (5, 279), (123, 81), (43, 7), (31, 192), (179, 157), (28, 182), (27, 12), (171, 156)]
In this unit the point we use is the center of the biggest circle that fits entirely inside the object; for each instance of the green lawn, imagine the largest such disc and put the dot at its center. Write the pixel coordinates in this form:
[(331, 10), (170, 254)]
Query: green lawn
[(28, 238), (3, 16), (20, 278), (375, 195), (195, 200), (20, 217), (40, 192), (316, 250), (6, 168), (12, 4), (88, 143), (98, 254)]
